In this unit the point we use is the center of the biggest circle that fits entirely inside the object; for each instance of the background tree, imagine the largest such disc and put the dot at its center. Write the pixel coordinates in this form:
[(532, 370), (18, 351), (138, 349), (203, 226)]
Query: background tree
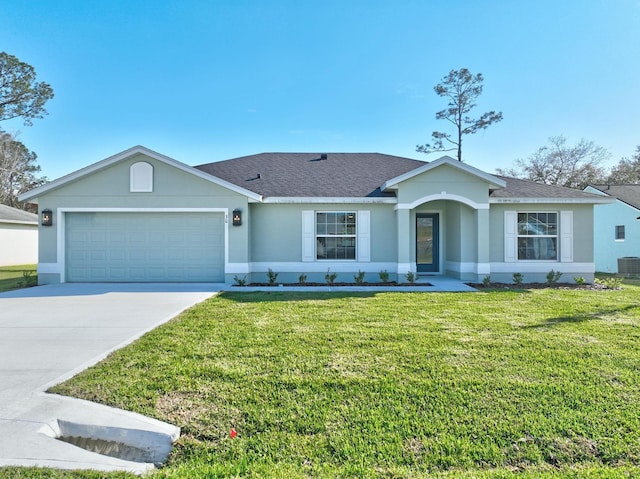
[(560, 164), (18, 170), (462, 90), (627, 171), (20, 95)]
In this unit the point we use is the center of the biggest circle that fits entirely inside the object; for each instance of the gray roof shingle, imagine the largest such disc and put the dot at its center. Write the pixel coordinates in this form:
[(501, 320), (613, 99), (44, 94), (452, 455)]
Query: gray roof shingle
[(517, 188), (629, 194), (347, 175), (9, 214)]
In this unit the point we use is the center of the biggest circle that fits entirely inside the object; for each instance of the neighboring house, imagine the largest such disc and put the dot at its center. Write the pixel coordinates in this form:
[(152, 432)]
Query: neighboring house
[(617, 228), (18, 237), (141, 216)]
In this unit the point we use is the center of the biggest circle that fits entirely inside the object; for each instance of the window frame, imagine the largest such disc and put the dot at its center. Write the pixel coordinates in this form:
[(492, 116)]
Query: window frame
[(353, 236), (556, 236), (619, 229)]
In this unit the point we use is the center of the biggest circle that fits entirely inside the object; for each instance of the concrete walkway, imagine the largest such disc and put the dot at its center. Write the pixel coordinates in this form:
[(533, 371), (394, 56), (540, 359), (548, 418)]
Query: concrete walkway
[(50, 333)]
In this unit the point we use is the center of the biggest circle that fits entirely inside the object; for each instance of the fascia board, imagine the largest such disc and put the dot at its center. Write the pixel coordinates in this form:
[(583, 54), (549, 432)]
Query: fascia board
[(327, 199), (583, 201)]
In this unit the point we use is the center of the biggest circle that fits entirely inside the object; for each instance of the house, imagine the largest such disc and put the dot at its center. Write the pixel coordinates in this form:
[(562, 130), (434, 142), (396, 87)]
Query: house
[(140, 216), (617, 229), (18, 236)]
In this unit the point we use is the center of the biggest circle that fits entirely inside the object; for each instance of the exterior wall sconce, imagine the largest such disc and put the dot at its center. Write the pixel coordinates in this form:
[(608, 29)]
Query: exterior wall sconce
[(47, 217), (237, 218)]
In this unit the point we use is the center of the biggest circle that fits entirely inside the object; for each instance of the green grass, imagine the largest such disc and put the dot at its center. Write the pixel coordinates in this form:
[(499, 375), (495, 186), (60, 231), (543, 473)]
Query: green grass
[(13, 277), (499, 384)]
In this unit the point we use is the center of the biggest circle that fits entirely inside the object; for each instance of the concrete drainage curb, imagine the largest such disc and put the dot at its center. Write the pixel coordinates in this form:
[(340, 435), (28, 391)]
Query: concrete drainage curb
[(148, 449)]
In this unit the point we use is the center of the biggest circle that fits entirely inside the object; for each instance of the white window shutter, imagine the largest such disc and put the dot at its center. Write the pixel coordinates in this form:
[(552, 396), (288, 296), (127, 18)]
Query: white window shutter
[(364, 236), (308, 235), (566, 236), (510, 236)]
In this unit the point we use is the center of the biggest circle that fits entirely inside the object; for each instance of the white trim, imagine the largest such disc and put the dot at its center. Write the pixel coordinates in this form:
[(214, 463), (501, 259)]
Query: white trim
[(445, 160), (136, 150), (510, 236), (542, 267), (141, 177), (468, 267), (565, 238), (363, 236), (61, 228), (442, 196), (16, 222), (329, 200), (404, 268), (321, 267), (48, 268), (237, 268), (583, 201)]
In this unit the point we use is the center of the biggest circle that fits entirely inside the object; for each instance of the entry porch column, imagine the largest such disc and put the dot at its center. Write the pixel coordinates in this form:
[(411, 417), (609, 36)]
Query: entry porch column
[(483, 263), (403, 218)]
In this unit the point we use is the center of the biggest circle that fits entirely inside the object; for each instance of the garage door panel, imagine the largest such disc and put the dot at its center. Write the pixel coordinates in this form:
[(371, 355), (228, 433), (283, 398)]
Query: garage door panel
[(144, 247)]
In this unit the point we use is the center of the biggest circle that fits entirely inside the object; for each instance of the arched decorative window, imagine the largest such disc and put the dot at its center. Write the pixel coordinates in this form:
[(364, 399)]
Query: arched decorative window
[(141, 177)]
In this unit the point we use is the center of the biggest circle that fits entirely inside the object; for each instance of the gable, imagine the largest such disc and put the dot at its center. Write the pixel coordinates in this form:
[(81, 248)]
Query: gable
[(446, 180), (113, 177)]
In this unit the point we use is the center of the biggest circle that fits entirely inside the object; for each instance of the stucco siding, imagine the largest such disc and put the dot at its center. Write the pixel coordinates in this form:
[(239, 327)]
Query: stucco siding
[(18, 244), (444, 179), (607, 248), (582, 263), (109, 190)]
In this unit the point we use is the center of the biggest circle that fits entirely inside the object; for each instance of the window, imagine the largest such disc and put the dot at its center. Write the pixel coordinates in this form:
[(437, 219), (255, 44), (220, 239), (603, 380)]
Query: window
[(537, 236), (336, 235), (141, 177), (620, 233)]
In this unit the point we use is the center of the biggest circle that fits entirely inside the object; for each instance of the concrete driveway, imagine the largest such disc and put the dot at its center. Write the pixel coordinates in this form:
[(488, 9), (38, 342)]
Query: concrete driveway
[(50, 333)]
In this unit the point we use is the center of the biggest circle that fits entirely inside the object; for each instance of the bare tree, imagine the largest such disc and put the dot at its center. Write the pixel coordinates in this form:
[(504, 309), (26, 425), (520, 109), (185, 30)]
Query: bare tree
[(560, 164), (627, 171), (18, 170), (462, 89)]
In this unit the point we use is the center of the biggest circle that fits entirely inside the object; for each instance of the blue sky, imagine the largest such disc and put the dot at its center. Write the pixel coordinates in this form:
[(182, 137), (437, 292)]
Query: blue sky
[(202, 81)]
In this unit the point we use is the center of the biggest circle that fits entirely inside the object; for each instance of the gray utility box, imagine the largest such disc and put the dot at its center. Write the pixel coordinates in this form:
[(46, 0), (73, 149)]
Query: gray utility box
[(629, 265)]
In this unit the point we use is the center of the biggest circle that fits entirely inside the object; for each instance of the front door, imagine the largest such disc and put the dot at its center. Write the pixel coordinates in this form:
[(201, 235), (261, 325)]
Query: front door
[(427, 242)]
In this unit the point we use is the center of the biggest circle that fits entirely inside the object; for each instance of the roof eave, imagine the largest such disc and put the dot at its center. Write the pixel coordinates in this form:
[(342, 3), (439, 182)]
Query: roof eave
[(516, 200), (329, 200)]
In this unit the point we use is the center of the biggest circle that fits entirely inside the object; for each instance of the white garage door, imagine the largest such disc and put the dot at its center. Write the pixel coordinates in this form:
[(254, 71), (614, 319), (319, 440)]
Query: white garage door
[(145, 247)]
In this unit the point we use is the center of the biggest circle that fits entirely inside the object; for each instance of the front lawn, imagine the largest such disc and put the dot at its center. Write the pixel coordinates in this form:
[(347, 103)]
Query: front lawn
[(499, 384), (13, 277)]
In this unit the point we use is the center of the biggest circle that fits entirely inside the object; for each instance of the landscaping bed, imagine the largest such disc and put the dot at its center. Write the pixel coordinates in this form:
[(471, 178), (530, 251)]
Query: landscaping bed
[(387, 283)]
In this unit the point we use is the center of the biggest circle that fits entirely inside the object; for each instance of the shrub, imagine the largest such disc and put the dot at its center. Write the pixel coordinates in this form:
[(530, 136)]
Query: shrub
[(359, 278), (330, 277), (579, 280), (518, 278), (553, 277), (28, 279), (273, 277), (610, 282), (302, 279), (486, 281), (240, 281), (384, 276), (411, 277)]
